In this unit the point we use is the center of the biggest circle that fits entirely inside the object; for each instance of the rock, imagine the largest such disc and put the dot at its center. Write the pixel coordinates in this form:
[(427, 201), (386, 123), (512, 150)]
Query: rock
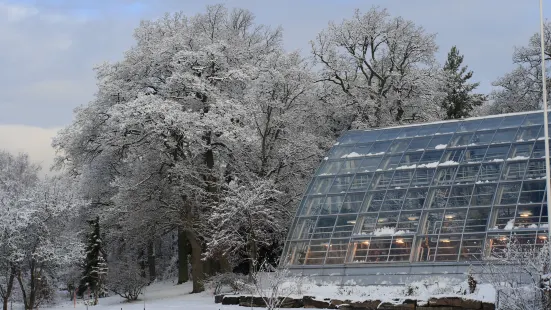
[(250, 301), (335, 303), (310, 302), (437, 308), (455, 302), (364, 305), (488, 306), (218, 298), (291, 302), (404, 306), (230, 300)]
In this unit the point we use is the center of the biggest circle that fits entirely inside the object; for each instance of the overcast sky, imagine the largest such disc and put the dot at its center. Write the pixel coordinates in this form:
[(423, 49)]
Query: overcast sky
[(48, 48)]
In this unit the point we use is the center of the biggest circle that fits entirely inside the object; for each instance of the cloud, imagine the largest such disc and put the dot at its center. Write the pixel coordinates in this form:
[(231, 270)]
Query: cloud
[(35, 141), (14, 12)]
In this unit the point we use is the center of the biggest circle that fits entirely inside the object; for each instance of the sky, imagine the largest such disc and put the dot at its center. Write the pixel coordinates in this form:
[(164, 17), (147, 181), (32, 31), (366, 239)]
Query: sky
[(48, 48)]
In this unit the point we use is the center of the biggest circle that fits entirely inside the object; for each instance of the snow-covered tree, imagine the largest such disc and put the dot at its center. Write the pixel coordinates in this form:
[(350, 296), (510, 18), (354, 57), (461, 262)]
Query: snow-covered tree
[(95, 265), (459, 101), (520, 90), (383, 68)]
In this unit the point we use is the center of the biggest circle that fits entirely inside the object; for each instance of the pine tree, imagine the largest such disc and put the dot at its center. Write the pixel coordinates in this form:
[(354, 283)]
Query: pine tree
[(459, 101), (95, 266)]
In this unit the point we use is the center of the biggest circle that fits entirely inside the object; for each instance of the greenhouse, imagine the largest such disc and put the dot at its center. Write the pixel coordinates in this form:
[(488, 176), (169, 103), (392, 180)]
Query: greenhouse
[(422, 199)]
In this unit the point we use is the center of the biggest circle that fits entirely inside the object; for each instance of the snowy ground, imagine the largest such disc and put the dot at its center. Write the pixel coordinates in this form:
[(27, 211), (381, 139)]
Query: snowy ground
[(157, 297), (166, 295)]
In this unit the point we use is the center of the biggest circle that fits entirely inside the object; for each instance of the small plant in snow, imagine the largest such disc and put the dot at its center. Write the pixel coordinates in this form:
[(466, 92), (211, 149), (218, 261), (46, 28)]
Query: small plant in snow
[(227, 283)]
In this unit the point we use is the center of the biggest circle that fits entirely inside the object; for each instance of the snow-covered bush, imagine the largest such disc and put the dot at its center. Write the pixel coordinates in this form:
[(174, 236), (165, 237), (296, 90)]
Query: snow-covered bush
[(227, 283), (126, 279)]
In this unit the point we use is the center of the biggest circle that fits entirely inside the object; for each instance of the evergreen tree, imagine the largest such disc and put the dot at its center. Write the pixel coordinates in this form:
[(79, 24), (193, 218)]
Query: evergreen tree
[(459, 101), (95, 266)]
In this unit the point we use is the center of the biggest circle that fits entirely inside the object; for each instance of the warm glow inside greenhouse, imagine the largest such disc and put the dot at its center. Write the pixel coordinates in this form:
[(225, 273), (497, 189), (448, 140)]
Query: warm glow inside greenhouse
[(448, 192)]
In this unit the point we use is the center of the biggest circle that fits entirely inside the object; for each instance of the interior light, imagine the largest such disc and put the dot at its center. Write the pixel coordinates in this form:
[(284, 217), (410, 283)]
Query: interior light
[(381, 220), (445, 240), (400, 241), (542, 237), (351, 222), (502, 238), (525, 214), (365, 242), (449, 216), (413, 218)]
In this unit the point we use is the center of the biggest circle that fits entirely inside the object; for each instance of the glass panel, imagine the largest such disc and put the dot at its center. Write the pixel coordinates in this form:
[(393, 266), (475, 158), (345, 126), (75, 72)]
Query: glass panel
[(496, 153), (490, 123), (539, 150), (389, 134), (438, 197), (433, 223), (467, 174), (489, 172), (332, 204), (367, 224), (528, 133), (324, 227), (528, 217), (401, 179), (419, 144), (512, 121), (447, 128), (514, 170), (439, 142), (350, 137), (520, 151), (352, 203), (370, 164), (448, 248), (361, 182), (431, 158), (536, 170), (394, 200), (373, 201), (340, 185), (460, 196), (469, 125), (312, 206), (422, 177), (337, 252), (340, 151), (461, 139), (453, 155), (297, 252), (483, 194), (304, 228), (477, 219), (408, 222), (415, 198), (379, 148), (409, 132), (505, 135), (386, 223), (508, 193), (410, 160), (390, 162), (482, 137), (400, 250), (350, 166), (361, 249), (345, 225), (445, 175), (321, 185), (533, 119), (497, 243), (474, 154), (453, 221), (399, 146), (532, 192), (427, 130), (378, 250), (381, 180), (472, 247), (505, 218), (330, 167), (427, 248), (316, 252)]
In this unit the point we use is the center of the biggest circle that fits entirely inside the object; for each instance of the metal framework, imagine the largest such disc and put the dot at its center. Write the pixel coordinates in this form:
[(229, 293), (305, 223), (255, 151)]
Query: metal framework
[(448, 192)]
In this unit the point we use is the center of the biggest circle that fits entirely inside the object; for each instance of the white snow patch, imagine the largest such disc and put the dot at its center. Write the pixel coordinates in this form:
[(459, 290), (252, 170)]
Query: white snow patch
[(520, 157), (510, 225), (353, 154), (441, 146)]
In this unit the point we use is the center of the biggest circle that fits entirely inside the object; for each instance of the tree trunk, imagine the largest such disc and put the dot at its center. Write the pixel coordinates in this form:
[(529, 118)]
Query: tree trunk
[(9, 288), (151, 261), (183, 272), (23, 291), (196, 263)]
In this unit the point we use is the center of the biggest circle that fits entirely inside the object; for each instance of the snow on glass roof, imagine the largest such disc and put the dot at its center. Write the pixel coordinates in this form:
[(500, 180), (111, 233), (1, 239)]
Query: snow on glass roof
[(439, 192)]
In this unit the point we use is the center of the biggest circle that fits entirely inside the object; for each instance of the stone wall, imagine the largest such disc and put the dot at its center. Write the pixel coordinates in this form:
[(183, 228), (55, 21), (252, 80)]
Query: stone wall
[(445, 303)]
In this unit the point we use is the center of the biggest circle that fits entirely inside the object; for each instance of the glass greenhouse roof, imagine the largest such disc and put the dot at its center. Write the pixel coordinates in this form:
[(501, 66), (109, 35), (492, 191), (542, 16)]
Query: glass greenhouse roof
[(449, 191)]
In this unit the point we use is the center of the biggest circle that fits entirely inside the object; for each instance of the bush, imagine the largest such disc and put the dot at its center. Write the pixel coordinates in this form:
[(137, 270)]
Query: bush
[(126, 279), (226, 283)]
